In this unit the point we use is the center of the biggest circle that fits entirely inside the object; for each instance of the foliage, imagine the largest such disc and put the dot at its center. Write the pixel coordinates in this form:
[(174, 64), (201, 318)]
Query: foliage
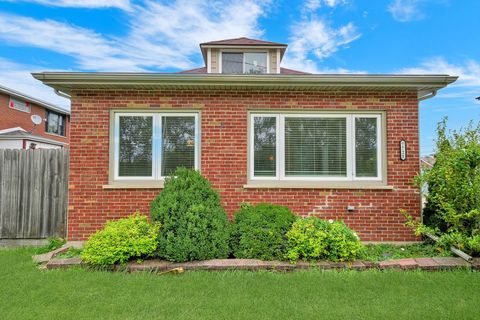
[(379, 252), (312, 238), (53, 243), (258, 232), (453, 199), (121, 240), (70, 253), (194, 224)]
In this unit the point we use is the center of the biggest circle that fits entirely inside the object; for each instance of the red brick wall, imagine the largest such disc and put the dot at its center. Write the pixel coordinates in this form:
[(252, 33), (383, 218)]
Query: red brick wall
[(15, 118), (224, 157)]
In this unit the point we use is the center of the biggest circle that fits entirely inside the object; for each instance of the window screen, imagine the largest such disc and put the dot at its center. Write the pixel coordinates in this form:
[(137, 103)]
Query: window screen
[(178, 143), (366, 147), (265, 149), (135, 146), (232, 62), (315, 146)]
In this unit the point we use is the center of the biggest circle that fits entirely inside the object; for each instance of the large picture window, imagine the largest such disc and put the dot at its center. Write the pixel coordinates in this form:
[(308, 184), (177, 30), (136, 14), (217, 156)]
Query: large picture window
[(335, 147), (150, 146)]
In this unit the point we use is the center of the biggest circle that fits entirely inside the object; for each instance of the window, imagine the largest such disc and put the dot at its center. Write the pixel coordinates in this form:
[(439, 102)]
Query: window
[(55, 123), (19, 105), (150, 146), (247, 62), (335, 147)]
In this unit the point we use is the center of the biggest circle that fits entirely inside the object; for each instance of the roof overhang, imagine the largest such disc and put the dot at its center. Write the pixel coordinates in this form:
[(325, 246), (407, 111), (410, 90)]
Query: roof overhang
[(22, 96), (32, 138), (69, 81)]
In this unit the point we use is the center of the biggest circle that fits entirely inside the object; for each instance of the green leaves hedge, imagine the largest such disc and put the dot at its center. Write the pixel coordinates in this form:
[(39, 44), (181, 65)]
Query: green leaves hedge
[(258, 232), (194, 223), (121, 240), (312, 239)]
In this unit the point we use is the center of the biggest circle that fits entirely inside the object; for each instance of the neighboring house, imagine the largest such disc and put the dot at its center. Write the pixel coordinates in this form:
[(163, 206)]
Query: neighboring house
[(334, 146), (17, 131)]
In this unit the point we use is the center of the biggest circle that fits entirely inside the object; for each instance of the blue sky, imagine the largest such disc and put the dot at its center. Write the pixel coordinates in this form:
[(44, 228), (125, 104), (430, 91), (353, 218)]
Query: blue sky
[(324, 36)]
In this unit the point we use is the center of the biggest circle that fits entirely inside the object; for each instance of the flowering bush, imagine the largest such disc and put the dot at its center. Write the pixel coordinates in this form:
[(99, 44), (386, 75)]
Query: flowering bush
[(312, 238)]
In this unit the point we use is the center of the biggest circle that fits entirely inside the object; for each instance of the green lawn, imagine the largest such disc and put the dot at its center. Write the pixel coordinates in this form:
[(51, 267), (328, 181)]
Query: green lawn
[(29, 293)]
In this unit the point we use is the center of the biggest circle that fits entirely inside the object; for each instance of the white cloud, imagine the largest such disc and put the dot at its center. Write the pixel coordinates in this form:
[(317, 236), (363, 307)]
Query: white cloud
[(120, 4), (405, 10), (161, 35), (468, 72), (18, 77), (312, 5), (316, 38)]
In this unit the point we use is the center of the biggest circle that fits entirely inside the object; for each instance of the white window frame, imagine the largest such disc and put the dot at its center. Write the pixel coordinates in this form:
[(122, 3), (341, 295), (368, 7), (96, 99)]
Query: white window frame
[(156, 143), (280, 147), (27, 103), (243, 58)]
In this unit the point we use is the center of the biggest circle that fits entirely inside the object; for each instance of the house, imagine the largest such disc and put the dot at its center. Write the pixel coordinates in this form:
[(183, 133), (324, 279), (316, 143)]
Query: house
[(335, 146), (18, 131)]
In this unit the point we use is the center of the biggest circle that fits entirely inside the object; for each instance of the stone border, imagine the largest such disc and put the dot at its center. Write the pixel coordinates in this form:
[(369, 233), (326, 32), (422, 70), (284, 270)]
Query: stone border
[(161, 266)]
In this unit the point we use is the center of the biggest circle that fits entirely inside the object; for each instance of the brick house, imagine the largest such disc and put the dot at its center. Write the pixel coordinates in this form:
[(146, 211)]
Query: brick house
[(334, 146), (17, 131)]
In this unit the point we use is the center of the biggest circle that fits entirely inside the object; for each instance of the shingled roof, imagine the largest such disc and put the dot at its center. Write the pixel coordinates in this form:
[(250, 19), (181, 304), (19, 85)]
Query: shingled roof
[(243, 41)]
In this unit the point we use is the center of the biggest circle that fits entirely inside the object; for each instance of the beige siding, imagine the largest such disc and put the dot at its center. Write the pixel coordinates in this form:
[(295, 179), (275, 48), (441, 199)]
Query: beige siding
[(215, 59), (273, 61)]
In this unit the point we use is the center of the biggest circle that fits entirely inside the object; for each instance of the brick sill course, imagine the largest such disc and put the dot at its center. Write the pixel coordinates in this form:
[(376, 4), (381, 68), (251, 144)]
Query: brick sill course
[(154, 265)]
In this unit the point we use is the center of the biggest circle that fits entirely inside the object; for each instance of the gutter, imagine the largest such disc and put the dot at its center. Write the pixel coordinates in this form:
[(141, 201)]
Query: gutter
[(62, 94), (429, 95)]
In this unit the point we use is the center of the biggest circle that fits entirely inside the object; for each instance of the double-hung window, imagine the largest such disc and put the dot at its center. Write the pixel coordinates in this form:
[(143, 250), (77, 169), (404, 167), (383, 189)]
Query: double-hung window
[(55, 123), (315, 147), (150, 146)]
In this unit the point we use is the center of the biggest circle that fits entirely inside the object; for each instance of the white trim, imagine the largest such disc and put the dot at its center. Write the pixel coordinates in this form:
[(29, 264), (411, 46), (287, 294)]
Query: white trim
[(350, 147), (12, 129), (156, 143), (209, 60)]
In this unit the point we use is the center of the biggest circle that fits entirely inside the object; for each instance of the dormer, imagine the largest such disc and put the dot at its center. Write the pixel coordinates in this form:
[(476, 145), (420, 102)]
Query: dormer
[(243, 56)]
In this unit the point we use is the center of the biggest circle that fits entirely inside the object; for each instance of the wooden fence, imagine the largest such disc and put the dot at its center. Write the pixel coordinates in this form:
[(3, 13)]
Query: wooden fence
[(33, 193)]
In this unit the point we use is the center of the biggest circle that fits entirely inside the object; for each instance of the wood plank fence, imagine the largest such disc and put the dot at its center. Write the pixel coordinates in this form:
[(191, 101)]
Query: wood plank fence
[(33, 193)]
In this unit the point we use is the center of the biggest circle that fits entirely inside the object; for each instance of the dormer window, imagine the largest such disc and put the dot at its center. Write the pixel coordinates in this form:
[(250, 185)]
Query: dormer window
[(244, 62)]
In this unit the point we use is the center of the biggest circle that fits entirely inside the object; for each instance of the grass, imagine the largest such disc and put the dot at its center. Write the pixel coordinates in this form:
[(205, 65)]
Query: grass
[(379, 252), (29, 293)]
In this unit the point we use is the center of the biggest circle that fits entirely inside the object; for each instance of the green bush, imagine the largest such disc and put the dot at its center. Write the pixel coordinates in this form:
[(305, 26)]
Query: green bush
[(312, 238), (121, 240), (194, 224), (453, 199), (259, 231)]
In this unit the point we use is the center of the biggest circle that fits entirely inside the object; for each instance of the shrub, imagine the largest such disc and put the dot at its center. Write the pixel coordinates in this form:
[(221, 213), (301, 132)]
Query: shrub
[(259, 231), (121, 240), (194, 224), (453, 199), (312, 238)]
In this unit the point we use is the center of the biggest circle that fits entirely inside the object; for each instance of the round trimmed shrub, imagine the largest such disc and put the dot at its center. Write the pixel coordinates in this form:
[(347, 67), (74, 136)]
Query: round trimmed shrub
[(312, 238), (121, 240), (194, 223), (258, 232)]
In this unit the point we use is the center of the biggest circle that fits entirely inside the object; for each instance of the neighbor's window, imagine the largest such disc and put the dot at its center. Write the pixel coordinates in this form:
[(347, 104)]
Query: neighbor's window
[(19, 105), (55, 123), (246, 62), (315, 147), (150, 146)]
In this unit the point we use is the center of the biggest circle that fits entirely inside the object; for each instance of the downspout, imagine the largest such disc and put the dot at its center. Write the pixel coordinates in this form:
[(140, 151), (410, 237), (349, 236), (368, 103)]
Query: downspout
[(61, 94)]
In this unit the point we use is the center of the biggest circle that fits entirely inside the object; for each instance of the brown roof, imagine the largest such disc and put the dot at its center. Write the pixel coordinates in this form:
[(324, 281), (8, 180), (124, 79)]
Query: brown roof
[(244, 41), (203, 70)]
